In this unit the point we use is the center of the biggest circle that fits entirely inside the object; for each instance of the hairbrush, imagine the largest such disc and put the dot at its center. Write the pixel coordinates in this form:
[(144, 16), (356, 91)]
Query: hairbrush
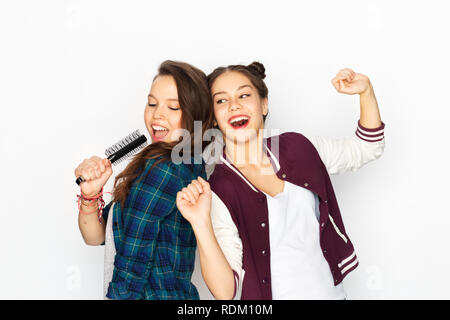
[(124, 148)]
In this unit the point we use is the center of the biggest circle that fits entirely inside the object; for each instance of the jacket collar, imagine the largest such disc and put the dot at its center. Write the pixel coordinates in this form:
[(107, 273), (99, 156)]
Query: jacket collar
[(275, 163)]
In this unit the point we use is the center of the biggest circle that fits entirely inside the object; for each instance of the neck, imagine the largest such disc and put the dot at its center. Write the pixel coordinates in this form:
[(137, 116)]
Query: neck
[(247, 153)]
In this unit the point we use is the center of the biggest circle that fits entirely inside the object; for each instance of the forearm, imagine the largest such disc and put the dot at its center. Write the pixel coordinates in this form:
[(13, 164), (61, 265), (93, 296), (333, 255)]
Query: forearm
[(369, 111), (92, 231), (216, 270)]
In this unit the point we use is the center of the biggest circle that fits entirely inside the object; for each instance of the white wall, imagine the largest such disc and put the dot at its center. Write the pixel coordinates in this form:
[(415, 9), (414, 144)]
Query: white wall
[(74, 76)]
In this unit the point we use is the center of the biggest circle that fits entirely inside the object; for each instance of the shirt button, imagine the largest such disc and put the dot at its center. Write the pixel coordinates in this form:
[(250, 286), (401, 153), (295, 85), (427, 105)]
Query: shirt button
[(306, 184), (264, 281), (324, 251), (326, 201), (322, 224), (263, 225), (263, 252), (283, 175)]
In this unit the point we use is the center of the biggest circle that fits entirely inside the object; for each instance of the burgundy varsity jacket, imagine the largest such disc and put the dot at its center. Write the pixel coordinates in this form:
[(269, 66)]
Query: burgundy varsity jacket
[(299, 163)]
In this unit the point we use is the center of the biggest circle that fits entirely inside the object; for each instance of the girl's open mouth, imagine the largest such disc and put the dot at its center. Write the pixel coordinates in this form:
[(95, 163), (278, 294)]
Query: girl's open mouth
[(239, 122), (159, 132)]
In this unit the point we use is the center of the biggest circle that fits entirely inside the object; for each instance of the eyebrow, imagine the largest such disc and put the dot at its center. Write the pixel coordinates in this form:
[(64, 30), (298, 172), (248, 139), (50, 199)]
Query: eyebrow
[(173, 99), (241, 87)]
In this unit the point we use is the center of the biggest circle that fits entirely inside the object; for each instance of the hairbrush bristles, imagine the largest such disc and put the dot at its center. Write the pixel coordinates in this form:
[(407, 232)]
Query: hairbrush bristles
[(120, 144), (126, 147)]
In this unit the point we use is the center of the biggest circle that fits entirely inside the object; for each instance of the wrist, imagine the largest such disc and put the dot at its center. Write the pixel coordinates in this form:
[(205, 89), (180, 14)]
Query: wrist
[(96, 202), (91, 195), (202, 224), (89, 203), (368, 92), (204, 232)]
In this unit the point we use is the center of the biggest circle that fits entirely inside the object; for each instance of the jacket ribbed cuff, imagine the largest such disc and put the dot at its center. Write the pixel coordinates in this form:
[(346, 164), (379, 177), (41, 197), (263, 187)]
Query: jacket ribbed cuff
[(370, 134)]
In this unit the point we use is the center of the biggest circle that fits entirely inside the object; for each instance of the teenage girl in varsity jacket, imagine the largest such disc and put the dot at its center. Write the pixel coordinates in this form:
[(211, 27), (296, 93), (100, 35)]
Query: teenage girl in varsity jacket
[(267, 224)]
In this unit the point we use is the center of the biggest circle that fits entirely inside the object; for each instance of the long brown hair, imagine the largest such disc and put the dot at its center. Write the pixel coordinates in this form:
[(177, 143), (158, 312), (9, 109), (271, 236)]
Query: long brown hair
[(255, 72), (196, 105)]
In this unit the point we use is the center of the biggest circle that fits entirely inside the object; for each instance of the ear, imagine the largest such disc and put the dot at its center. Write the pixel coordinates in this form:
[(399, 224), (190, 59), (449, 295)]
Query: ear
[(265, 106), (215, 123)]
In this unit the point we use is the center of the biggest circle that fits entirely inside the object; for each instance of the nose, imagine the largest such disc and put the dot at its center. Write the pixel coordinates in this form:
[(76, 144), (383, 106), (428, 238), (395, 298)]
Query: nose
[(234, 105), (159, 112)]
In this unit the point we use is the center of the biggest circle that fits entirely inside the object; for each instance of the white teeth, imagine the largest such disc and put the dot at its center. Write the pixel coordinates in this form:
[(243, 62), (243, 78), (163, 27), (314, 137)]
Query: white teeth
[(158, 128), (238, 119)]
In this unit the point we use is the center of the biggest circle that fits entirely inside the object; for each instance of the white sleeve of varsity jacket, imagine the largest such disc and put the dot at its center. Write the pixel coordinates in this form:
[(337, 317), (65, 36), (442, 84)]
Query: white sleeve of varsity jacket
[(229, 241), (350, 153)]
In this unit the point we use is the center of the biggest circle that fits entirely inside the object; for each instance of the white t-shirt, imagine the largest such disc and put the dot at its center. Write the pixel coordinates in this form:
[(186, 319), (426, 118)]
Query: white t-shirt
[(298, 267), (110, 253)]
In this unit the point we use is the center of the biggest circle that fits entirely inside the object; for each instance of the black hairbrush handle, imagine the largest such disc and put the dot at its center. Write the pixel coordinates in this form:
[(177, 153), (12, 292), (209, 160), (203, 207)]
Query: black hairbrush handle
[(81, 179), (123, 149)]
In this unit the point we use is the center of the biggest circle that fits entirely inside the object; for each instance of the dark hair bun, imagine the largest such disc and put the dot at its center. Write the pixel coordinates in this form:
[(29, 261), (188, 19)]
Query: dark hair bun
[(257, 69)]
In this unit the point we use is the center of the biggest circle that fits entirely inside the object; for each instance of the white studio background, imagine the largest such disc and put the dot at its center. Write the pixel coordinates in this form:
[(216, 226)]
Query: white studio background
[(74, 76)]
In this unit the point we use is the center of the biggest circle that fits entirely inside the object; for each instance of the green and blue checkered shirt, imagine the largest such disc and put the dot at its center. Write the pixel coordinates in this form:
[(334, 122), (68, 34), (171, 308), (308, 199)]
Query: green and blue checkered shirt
[(155, 245)]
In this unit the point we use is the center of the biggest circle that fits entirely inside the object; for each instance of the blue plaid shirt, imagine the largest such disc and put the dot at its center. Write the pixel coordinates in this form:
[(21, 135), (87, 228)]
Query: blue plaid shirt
[(155, 245)]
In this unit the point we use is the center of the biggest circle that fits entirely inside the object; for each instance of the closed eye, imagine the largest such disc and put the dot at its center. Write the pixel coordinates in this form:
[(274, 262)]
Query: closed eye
[(152, 104), (174, 108)]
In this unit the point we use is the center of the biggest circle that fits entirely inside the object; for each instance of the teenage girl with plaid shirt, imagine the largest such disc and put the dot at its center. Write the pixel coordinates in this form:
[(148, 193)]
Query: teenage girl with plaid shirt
[(153, 246)]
